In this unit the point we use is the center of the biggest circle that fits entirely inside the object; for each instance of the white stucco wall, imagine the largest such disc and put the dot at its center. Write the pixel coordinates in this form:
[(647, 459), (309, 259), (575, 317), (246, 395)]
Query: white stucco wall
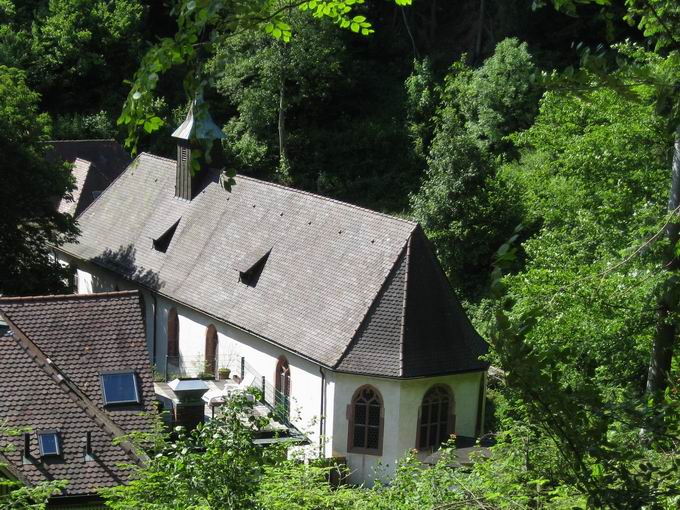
[(401, 401), (401, 398)]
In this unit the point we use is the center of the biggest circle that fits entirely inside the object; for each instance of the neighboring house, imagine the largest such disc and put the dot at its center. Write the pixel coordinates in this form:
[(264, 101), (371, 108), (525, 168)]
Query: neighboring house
[(96, 164), (74, 375), (346, 312)]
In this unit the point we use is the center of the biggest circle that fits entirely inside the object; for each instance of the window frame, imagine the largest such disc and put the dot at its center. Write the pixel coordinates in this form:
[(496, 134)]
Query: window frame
[(173, 318), (351, 448), (211, 346), (450, 417), (57, 441), (283, 391), (133, 373)]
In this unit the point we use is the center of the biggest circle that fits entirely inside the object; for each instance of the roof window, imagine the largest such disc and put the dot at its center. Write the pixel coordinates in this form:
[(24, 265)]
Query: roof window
[(163, 241), (120, 388), (48, 441)]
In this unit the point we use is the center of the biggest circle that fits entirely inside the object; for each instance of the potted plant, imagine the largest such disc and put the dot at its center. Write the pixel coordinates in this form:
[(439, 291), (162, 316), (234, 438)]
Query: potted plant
[(224, 373), (206, 376)]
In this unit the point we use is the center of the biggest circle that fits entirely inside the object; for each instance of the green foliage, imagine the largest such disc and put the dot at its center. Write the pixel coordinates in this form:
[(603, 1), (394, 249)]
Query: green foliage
[(202, 26), (255, 73), (216, 466), (466, 210), (98, 125), (500, 97), (31, 188), (70, 48)]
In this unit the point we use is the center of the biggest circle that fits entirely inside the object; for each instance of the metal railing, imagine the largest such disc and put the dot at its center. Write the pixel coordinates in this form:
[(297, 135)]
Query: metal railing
[(198, 367), (181, 367)]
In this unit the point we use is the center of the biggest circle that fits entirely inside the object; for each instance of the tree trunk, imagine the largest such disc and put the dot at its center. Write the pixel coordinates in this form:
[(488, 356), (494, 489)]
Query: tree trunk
[(480, 30), (666, 330), (433, 23), (284, 173)]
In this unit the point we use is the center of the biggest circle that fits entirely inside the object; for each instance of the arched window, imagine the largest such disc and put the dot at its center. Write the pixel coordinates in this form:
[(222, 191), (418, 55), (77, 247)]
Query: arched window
[(173, 336), (210, 350), (282, 382), (366, 422), (436, 420)]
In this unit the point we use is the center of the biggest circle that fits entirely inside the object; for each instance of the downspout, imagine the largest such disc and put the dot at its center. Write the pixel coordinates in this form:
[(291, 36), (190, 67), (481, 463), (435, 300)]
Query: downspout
[(153, 341), (322, 419)]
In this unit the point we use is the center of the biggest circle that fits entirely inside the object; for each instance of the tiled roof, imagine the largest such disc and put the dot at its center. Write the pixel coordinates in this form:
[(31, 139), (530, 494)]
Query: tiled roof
[(50, 365), (328, 264), (96, 164), (416, 326)]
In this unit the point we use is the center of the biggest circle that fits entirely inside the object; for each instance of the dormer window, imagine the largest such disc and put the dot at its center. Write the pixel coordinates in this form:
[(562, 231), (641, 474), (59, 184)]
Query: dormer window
[(48, 442), (163, 241), (120, 388), (251, 268)]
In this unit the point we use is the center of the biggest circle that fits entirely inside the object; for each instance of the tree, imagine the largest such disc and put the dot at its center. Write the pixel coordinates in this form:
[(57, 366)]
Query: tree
[(279, 91), (204, 24), (71, 49), (216, 466), (31, 189), (465, 209)]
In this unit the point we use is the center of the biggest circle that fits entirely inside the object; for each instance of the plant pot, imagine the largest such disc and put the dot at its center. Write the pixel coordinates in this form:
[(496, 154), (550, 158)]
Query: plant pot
[(224, 373)]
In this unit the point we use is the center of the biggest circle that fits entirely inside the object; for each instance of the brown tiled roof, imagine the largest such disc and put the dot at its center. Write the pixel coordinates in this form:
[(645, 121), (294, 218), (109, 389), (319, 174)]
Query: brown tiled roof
[(327, 273), (96, 164), (50, 363)]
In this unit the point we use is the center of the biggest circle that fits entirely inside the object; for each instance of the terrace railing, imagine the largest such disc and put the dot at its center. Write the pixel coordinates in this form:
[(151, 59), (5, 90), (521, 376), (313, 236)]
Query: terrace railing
[(198, 367)]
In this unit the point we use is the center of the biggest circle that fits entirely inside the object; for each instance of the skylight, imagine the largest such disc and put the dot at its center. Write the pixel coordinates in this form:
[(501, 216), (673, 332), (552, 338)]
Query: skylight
[(163, 241), (48, 442), (120, 388)]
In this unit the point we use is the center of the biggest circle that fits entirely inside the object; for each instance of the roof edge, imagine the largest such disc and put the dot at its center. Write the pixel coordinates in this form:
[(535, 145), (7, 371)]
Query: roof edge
[(374, 303), (412, 377), (69, 140), (133, 162), (192, 307), (59, 297), (402, 332)]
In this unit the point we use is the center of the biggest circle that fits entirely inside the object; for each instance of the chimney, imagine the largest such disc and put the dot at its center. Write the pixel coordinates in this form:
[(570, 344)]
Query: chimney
[(197, 129), (189, 407)]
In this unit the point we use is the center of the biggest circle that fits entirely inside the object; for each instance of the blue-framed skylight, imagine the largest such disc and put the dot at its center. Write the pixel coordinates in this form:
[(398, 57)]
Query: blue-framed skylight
[(48, 441), (120, 388)]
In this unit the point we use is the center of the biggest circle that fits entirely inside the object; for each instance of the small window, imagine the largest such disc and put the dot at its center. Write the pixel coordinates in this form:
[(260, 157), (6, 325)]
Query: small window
[(366, 422), (48, 442), (120, 388)]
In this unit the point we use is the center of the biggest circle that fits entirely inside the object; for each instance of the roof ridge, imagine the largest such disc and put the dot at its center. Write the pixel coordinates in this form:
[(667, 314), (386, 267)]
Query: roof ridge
[(58, 376), (302, 192), (328, 199), (83, 140), (156, 156), (59, 297)]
